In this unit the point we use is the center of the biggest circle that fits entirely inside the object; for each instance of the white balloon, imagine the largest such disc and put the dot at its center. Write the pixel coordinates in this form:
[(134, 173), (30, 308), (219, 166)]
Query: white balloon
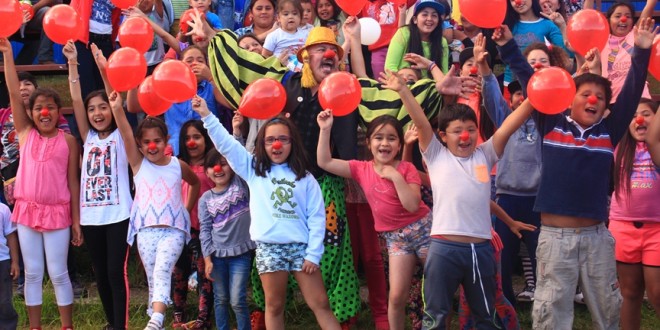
[(370, 30)]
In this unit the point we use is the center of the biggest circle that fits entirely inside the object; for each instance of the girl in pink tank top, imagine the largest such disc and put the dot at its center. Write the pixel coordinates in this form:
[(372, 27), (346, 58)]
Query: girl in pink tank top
[(47, 194)]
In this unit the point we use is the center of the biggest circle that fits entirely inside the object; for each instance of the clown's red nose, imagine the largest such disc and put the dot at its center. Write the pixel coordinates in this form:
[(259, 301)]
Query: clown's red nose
[(623, 19), (518, 2), (538, 66), (152, 146), (191, 144), (217, 169), (277, 145), (592, 99), (639, 119), (473, 70), (329, 54), (465, 136), (44, 112)]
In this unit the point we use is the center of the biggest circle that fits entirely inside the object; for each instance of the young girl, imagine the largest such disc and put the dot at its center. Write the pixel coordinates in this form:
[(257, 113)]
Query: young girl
[(194, 143), (105, 199), (288, 211), (250, 42), (392, 188), (289, 37), (635, 218), (309, 13), (423, 36), (47, 194), (224, 216), (329, 14), (159, 216)]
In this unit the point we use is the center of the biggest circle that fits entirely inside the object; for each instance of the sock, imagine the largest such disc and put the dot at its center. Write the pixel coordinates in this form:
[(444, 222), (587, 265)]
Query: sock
[(527, 270), (158, 317)]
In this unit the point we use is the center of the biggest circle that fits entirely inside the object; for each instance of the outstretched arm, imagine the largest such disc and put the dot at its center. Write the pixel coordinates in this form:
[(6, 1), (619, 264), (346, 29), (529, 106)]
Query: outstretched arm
[(515, 226), (169, 39), (79, 110), (323, 155), (510, 125), (352, 34), (22, 122), (132, 153)]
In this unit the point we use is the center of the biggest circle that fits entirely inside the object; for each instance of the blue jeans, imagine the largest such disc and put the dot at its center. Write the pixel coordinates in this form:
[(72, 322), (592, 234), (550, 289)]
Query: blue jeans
[(519, 208), (230, 278)]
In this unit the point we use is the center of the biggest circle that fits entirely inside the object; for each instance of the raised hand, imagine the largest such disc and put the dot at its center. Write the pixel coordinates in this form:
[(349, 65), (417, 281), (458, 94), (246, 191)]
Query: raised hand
[(69, 51), (392, 80), (417, 61), (325, 119), (352, 28), (5, 45), (453, 85), (411, 135), (202, 71), (133, 12), (556, 18), (99, 58), (199, 106), (236, 123), (502, 35), (116, 102), (645, 32)]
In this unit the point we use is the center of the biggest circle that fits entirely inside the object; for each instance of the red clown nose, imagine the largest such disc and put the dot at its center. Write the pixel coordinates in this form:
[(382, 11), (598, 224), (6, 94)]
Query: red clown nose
[(538, 66), (217, 169), (44, 112), (465, 136), (518, 2), (592, 99), (151, 146), (623, 19), (473, 70), (191, 144), (329, 54), (277, 145), (639, 120)]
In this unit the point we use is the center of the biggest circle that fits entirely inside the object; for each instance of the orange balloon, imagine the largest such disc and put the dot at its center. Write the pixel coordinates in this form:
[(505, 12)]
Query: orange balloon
[(587, 29), (551, 90), (136, 33), (263, 99), (351, 7), (150, 102), (126, 69), (654, 62), (61, 24), (485, 14), (174, 81), (341, 92), (11, 17), (124, 4)]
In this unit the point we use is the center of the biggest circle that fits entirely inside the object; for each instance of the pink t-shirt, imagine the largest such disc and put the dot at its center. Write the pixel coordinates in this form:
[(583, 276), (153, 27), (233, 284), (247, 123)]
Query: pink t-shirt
[(642, 203), (381, 194), (206, 185), (615, 61)]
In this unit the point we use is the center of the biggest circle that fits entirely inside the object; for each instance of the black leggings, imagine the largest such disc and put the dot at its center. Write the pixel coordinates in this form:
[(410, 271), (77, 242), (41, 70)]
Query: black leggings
[(109, 251)]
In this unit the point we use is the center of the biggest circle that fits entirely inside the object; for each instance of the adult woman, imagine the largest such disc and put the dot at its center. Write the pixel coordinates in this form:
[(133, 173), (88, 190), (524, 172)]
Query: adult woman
[(262, 14)]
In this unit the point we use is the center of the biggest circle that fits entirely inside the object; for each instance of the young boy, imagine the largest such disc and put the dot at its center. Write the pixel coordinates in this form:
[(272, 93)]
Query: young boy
[(8, 268), (574, 244), (461, 230)]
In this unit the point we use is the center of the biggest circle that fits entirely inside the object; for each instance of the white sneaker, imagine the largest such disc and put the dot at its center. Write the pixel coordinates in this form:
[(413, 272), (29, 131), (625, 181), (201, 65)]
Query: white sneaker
[(579, 298), (153, 325), (526, 295)]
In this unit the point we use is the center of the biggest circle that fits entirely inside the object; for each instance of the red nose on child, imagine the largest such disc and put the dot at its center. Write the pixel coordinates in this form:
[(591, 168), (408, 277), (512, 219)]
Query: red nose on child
[(623, 19), (191, 144), (329, 54), (44, 112), (592, 99), (639, 120), (217, 169), (473, 70), (151, 146), (538, 66), (465, 136), (277, 145)]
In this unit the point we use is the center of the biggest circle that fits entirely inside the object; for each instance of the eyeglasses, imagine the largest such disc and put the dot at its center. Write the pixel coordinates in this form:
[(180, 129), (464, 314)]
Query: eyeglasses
[(284, 139)]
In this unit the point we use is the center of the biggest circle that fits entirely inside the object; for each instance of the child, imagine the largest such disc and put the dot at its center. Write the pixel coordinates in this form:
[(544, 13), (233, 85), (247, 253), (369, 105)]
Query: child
[(635, 218), (225, 238), (289, 36), (574, 244), (392, 189), (204, 6), (159, 216), (288, 212), (309, 13), (194, 145), (250, 42), (8, 268), (47, 194), (462, 237), (105, 199)]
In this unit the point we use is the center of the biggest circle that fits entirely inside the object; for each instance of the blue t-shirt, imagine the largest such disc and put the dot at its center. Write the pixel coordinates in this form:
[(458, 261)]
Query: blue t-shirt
[(214, 20)]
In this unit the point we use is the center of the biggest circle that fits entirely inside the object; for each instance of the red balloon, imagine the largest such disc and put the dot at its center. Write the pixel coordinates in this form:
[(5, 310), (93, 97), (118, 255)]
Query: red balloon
[(61, 24), (126, 69), (341, 92), (11, 17), (551, 90), (26, 7), (485, 14), (351, 7), (263, 99), (150, 102), (587, 29), (654, 62), (136, 33), (174, 81), (124, 4)]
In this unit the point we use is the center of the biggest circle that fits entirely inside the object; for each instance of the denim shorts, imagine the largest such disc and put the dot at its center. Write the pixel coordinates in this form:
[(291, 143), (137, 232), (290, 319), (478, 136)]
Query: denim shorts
[(411, 239), (272, 257)]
